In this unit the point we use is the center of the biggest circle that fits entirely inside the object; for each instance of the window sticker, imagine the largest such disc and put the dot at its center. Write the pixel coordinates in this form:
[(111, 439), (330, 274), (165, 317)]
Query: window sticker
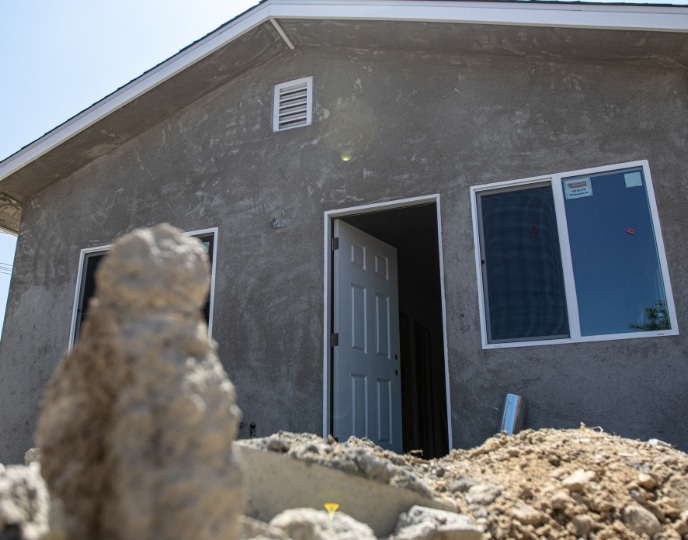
[(577, 188), (633, 179)]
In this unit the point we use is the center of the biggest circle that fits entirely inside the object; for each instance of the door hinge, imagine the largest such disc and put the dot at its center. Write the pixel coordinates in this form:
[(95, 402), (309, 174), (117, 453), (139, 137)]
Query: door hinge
[(334, 339), (335, 243)]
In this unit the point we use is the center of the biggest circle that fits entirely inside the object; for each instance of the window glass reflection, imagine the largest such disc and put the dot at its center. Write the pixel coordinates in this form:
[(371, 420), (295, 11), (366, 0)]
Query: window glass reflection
[(522, 266), (619, 285)]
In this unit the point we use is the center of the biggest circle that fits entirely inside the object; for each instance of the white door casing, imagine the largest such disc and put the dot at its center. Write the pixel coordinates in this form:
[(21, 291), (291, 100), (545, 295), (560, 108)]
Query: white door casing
[(366, 388)]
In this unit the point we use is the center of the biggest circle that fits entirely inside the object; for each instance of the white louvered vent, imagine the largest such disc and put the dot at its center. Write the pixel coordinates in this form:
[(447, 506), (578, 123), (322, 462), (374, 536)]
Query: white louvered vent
[(293, 104)]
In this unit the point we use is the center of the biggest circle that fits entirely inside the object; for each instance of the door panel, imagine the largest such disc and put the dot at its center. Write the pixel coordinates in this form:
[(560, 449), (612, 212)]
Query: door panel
[(366, 382), (385, 419), (359, 405), (382, 327)]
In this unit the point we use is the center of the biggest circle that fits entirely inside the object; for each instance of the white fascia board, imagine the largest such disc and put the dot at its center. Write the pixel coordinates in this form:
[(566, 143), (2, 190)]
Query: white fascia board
[(616, 17), (610, 17), (133, 90)]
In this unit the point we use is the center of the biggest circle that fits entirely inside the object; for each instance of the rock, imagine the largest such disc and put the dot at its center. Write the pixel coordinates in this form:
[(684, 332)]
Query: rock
[(252, 529), (582, 525), (681, 526), (33, 455), (311, 524), (561, 500), (677, 488), (421, 523), (137, 425), (638, 496), (24, 503), (641, 520), (646, 481), (579, 480), (462, 484), (526, 514), (483, 494)]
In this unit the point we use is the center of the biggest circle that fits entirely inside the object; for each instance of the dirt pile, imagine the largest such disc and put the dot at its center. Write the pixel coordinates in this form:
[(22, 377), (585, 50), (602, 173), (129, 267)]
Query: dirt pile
[(546, 484), (565, 484)]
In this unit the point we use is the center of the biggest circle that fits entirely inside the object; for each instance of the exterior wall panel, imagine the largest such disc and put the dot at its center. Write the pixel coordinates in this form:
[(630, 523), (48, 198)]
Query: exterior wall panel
[(386, 125)]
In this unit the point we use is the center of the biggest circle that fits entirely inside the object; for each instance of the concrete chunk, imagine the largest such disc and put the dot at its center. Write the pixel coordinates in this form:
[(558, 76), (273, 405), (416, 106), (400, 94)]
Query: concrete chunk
[(276, 482), (421, 523), (311, 524)]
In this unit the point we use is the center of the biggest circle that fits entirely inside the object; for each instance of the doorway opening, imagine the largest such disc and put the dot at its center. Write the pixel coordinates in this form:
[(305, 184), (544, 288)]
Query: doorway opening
[(412, 227)]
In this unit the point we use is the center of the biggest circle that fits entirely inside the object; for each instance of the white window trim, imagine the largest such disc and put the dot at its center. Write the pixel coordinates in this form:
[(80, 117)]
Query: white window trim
[(308, 81), (569, 284), (105, 248)]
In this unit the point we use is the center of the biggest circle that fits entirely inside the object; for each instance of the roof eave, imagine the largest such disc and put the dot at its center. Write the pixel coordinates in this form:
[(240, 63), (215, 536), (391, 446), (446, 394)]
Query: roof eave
[(593, 16), (616, 17)]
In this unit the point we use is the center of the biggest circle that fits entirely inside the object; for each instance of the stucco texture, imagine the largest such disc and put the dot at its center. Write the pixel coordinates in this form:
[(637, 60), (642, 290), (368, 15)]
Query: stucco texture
[(411, 123)]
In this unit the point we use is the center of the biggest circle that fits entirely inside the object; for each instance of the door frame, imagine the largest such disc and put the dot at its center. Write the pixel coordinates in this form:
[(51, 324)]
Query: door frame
[(329, 217)]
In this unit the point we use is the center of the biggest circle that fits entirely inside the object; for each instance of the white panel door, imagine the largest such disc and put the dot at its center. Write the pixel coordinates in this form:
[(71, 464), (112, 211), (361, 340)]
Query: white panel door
[(366, 388)]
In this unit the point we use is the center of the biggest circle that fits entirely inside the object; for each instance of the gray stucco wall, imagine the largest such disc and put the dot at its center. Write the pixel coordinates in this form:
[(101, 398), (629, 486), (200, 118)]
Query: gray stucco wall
[(415, 124)]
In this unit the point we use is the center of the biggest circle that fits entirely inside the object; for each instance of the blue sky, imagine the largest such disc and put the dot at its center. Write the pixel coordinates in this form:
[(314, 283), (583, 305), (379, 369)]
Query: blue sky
[(60, 57)]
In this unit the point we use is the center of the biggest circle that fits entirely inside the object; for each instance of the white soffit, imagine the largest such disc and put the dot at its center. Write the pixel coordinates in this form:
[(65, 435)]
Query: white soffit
[(612, 17), (576, 15)]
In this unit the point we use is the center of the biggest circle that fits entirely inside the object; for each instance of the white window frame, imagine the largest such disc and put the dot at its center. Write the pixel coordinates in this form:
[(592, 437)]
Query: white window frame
[(556, 180), (86, 252), (308, 81)]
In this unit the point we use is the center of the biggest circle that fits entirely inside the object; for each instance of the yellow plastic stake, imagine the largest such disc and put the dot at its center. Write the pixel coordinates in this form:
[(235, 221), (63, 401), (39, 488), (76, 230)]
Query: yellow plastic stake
[(331, 508)]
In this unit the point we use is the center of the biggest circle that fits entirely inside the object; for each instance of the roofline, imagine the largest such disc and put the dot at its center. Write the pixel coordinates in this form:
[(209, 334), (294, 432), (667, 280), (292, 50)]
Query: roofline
[(618, 16), (592, 16)]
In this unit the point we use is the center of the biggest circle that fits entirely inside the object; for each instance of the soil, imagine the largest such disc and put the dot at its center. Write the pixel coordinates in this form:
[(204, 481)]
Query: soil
[(545, 484), (567, 484)]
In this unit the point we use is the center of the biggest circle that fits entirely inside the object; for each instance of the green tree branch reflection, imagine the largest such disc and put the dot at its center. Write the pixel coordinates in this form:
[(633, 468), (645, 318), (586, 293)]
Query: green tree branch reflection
[(657, 318)]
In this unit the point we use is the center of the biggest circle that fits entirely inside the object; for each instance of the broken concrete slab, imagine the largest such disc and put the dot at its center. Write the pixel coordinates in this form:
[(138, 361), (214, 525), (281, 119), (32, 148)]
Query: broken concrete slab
[(278, 481)]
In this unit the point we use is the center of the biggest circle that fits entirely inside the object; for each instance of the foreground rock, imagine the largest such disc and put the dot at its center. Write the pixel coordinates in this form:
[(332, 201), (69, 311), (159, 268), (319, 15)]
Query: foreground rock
[(24, 503), (310, 524), (137, 426)]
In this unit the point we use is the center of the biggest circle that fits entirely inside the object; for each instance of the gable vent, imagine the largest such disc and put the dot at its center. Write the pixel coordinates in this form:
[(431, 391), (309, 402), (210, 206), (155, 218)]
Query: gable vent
[(293, 104)]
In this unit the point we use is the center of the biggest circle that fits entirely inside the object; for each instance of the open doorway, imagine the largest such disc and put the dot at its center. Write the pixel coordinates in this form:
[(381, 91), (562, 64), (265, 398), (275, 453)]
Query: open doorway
[(412, 229)]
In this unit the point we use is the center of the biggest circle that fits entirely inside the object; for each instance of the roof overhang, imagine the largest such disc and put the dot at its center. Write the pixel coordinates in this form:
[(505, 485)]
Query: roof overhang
[(257, 36)]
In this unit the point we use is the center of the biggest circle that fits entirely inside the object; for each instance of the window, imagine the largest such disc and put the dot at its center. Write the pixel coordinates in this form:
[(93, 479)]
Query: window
[(572, 257), (87, 287), (292, 104), (91, 258)]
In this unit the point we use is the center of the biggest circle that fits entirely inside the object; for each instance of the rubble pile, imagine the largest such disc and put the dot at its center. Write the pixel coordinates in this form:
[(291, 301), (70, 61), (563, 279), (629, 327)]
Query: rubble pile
[(567, 484), (544, 484)]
